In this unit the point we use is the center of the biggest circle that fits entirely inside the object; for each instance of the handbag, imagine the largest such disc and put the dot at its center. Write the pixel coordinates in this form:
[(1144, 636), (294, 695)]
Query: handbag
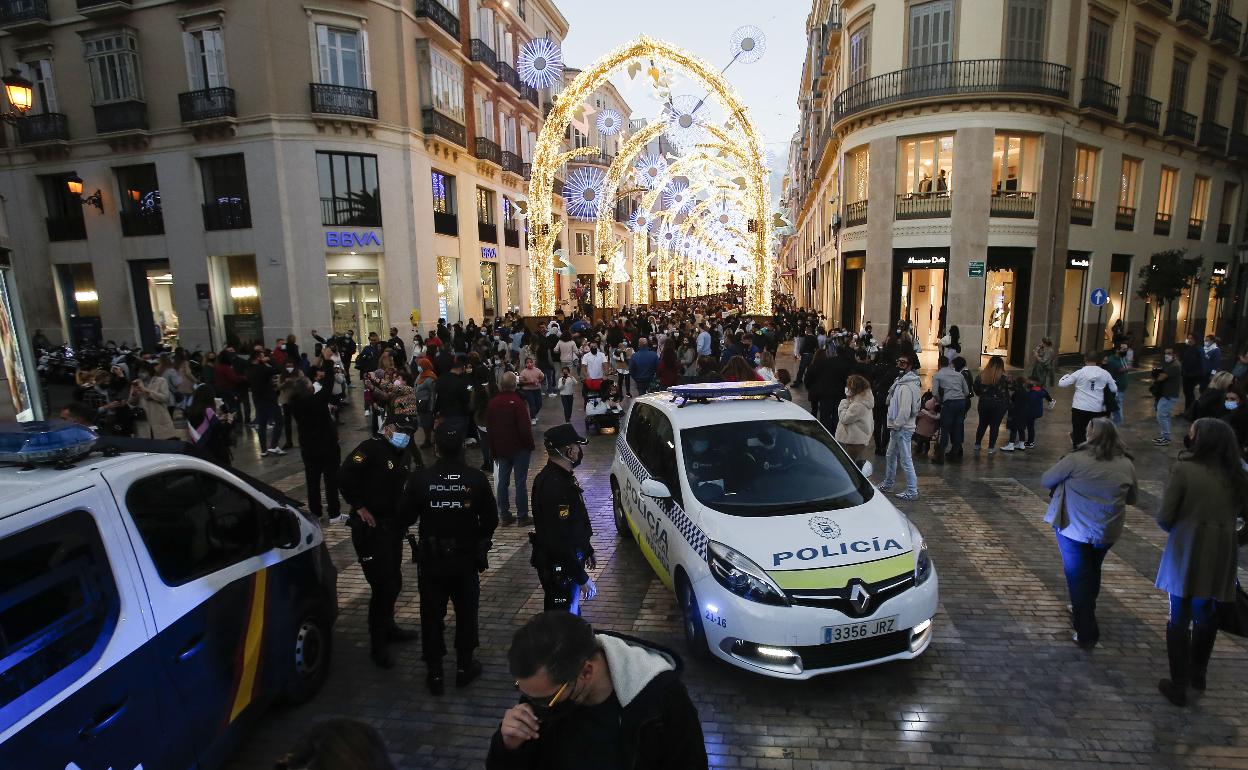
[(1233, 615), (1111, 400)]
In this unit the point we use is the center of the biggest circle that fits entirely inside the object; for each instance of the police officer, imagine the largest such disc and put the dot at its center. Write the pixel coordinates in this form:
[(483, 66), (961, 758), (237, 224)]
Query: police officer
[(455, 509), (372, 480), (561, 548)]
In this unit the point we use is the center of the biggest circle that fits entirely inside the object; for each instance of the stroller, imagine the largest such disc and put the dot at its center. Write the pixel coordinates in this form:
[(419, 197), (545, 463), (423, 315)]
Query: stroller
[(926, 424), (602, 414)]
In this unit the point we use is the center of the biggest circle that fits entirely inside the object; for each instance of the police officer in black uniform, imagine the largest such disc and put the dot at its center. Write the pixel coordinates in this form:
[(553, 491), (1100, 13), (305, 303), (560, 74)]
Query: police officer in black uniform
[(561, 547), (455, 508), (372, 480)]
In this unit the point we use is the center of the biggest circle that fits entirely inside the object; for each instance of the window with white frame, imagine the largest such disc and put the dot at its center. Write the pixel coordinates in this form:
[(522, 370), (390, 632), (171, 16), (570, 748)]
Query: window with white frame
[(484, 116), (450, 5), (342, 55), (584, 243), (39, 73), (113, 63), (446, 85), (578, 139), (527, 139), (508, 124), (205, 59), (1084, 183)]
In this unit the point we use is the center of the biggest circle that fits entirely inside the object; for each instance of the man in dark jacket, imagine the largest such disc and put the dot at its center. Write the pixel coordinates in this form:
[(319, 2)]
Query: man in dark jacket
[(261, 379), (398, 351), (453, 403), (1192, 365), (561, 539), (309, 406), (589, 698), (643, 365), (511, 444)]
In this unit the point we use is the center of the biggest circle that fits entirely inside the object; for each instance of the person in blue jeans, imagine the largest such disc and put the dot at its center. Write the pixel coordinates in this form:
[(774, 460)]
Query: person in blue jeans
[(1206, 494), (1089, 489), (903, 407), (1167, 383)]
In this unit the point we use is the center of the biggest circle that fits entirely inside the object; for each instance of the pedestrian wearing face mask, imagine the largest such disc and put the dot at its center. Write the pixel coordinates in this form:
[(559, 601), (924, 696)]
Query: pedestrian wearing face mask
[(594, 699), (1236, 415), (561, 540), (1167, 382), (371, 480)]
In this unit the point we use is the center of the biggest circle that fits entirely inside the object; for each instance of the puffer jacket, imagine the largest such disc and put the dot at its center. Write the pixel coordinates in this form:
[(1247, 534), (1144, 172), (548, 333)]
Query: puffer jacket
[(855, 421)]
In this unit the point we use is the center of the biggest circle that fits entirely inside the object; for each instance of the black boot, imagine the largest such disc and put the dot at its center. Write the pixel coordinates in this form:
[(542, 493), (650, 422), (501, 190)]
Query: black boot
[(466, 673), (434, 680), (1202, 647), (380, 654), (1178, 650), (399, 634)]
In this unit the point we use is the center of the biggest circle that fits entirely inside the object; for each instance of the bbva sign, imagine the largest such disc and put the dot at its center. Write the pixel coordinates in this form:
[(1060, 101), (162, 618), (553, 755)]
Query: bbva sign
[(347, 239)]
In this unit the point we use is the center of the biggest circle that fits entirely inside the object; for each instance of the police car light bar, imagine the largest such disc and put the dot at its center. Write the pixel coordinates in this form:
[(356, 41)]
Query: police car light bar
[(54, 441), (701, 392)]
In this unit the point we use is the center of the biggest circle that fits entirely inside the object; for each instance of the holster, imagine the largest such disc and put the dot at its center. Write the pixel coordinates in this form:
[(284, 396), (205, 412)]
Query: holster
[(549, 573)]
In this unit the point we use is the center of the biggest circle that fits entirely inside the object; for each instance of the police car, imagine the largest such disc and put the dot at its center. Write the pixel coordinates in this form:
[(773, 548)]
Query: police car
[(151, 605), (783, 557)]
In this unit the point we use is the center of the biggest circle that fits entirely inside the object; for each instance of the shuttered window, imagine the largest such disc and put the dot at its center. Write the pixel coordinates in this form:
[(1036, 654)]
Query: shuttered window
[(931, 33), (1178, 84), (1141, 67), (1024, 36), (205, 59), (860, 54), (1098, 48)]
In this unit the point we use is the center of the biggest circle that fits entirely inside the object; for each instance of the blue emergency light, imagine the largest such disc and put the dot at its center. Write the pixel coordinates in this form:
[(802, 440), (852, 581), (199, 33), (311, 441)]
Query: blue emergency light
[(703, 391), (44, 441)]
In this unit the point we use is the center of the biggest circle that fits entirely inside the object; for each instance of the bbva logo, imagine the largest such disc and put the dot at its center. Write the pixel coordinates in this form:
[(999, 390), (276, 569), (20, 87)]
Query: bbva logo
[(346, 239)]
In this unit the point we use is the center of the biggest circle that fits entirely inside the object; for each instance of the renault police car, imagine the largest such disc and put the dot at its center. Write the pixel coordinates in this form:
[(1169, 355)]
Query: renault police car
[(151, 605), (783, 557)]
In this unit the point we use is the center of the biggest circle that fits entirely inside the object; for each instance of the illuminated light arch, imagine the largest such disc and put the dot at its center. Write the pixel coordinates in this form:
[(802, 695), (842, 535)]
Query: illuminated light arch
[(547, 158)]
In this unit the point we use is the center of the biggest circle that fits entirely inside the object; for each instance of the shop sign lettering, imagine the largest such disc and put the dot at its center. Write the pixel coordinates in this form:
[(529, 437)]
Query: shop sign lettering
[(927, 260), (489, 252), (1076, 262), (347, 239)]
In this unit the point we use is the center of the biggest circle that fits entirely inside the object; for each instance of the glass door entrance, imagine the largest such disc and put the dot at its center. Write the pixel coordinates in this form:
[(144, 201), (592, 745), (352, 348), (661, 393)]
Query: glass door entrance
[(923, 306), (356, 298), (999, 312)]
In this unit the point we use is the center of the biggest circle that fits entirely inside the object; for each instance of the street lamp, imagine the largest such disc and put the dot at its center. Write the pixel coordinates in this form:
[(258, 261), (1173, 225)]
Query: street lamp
[(654, 282), (603, 284), (21, 95), (74, 185)]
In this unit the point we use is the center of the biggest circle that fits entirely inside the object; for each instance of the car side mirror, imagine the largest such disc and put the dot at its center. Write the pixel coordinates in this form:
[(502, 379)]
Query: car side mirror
[(866, 468), (656, 489), (284, 528)]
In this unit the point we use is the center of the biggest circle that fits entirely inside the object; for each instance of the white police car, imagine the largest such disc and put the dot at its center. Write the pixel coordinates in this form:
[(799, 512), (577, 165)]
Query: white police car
[(151, 605), (784, 558)]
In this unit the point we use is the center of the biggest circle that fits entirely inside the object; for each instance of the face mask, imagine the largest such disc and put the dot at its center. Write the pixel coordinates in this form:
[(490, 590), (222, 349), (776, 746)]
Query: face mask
[(1231, 405), (399, 440), (593, 350), (567, 455), (847, 391), (1169, 358), (290, 369)]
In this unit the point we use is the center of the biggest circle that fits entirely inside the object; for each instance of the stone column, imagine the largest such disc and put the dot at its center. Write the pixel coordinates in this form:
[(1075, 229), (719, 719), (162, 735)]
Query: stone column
[(968, 239), (1048, 265), (878, 275)]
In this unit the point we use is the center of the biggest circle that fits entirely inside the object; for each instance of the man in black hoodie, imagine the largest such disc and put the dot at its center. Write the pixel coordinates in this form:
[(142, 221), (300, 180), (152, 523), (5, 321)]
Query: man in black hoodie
[(591, 700)]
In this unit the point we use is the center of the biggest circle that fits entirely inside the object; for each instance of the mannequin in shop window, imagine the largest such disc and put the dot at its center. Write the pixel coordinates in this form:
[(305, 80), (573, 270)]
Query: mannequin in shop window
[(925, 184), (997, 323)]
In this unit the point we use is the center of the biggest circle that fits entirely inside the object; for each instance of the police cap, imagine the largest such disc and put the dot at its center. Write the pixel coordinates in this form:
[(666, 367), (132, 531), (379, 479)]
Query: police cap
[(563, 435), (448, 440)]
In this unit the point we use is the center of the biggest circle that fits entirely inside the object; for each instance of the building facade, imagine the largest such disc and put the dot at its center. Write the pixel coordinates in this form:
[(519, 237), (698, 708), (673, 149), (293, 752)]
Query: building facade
[(196, 172), (991, 165)]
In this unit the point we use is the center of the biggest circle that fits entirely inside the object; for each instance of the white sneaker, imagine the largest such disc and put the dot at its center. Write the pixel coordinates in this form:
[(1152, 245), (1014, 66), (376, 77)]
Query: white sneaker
[(533, 421), (341, 518), (368, 412), (551, 395), (277, 451), (1009, 447)]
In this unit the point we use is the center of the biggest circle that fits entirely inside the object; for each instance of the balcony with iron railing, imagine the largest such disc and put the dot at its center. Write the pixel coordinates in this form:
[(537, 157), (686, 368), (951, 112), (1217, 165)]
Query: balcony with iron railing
[(1081, 211), (1164, 7), (1181, 124), (1195, 228), (137, 222), (923, 205), (353, 210), (101, 7), (511, 238), (1212, 137), (1194, 15), (487, 232), (1013, 204), (1124, 218), (23, 14), (529, 94), (1143, 111), (45, 127), (435, 123), (207, 104), (439, 15), (507, 74), (1224, 232), (511, 162), (1227, 31), (1100, 95), (480, 52), (329, 99), (120, 116), (445, 223), (487, 149), (1238, 146), (230, 213), (971, 78), (856, 213), (1161, 223)]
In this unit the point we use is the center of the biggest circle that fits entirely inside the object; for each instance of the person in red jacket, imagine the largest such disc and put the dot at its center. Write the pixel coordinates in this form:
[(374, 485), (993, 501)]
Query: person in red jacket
[(511, 444)]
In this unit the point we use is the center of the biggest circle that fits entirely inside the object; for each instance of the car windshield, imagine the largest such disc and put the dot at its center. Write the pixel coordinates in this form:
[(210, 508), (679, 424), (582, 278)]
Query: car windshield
[(770, 468)]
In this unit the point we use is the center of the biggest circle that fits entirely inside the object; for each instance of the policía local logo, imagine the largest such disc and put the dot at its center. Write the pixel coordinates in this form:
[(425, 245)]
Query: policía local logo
[(824, 527)]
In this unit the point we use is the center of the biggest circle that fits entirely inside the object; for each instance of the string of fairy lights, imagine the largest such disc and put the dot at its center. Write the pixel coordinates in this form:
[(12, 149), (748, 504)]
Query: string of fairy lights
[(705, 206)]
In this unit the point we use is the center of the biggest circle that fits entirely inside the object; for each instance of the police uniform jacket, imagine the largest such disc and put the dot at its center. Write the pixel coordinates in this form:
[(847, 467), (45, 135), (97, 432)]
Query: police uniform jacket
[(561, 520), (373, 476), (451, 502), (452, 395)]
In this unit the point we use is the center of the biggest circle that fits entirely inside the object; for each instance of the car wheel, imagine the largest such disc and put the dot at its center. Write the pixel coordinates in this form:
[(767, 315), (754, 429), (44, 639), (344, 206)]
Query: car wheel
[(617, 507), (695, 635), (309, 652)]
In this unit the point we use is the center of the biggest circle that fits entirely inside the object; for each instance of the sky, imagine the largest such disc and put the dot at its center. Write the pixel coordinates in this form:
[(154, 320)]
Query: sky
[(704, 27)]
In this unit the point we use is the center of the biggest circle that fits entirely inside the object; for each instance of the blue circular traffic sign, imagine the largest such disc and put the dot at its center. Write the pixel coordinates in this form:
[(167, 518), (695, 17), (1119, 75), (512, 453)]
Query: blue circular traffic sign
[(1099, 297)]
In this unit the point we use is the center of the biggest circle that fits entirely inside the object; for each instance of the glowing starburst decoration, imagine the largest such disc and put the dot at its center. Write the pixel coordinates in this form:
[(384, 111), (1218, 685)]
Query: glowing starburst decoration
[(583, 193), (676, 197), (610, 122), (669, 237), (641, 221), (540, 63), (648, 170), (683, 127), (748, 44)]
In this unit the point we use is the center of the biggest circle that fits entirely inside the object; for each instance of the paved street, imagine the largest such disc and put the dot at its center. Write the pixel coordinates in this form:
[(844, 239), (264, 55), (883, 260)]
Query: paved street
[(1002, 685)]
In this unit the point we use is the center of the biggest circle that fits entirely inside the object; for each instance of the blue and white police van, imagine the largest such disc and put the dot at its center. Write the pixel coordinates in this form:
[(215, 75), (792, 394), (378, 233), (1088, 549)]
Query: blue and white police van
[(784, 558), (151, 604)]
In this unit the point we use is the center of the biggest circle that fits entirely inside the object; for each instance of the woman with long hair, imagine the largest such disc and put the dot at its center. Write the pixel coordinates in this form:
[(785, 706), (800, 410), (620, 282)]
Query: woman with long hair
[(425, 387), (1204, 498), (855, 422), (670, 369), (993, 389), (1090, 489), (737, 370)]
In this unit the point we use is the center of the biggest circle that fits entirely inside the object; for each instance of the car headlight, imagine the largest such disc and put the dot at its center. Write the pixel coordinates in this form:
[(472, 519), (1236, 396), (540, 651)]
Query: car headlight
[(922, 565), (738, 574)]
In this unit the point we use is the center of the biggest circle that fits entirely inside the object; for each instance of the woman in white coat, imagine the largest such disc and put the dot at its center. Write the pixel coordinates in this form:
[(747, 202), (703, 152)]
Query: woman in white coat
[(855, 423)]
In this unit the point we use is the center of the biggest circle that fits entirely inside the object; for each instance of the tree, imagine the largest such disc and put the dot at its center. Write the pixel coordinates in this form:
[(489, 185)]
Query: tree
[(1163, 280)]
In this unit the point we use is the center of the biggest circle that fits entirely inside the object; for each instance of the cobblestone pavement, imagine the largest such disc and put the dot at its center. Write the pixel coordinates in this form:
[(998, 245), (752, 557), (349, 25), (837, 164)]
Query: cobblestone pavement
[(1001, 686)]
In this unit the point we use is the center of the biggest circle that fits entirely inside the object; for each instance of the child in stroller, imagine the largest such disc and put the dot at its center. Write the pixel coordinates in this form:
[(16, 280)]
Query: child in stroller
[(603, 409), (926, 424)]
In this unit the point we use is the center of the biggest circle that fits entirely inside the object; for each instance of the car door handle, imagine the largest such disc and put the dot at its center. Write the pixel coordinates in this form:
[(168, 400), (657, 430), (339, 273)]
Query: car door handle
[(193, 646), (106, 717)]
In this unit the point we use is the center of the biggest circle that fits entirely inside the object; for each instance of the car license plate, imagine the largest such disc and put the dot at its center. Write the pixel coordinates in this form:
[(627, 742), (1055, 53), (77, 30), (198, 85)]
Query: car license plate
[(863, 630)]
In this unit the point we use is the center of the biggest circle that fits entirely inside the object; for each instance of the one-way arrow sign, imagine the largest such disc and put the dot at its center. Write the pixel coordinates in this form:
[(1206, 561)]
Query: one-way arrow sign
[(1099, 297)]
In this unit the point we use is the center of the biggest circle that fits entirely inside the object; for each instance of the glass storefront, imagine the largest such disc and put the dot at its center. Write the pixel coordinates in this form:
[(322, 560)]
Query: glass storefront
[(152, 282), (1217, 291), (919, 295), (80, 302), (236, 297), (1075, 291), (1119, 299), (513, 288), (998, 312), (925, 165), (449, 306), (355, 296), (1006, 287), (853, 298), (489, 290)]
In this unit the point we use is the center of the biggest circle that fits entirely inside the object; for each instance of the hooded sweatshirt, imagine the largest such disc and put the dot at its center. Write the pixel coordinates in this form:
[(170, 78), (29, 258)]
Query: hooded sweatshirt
[(659, 726), (903, 402)]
